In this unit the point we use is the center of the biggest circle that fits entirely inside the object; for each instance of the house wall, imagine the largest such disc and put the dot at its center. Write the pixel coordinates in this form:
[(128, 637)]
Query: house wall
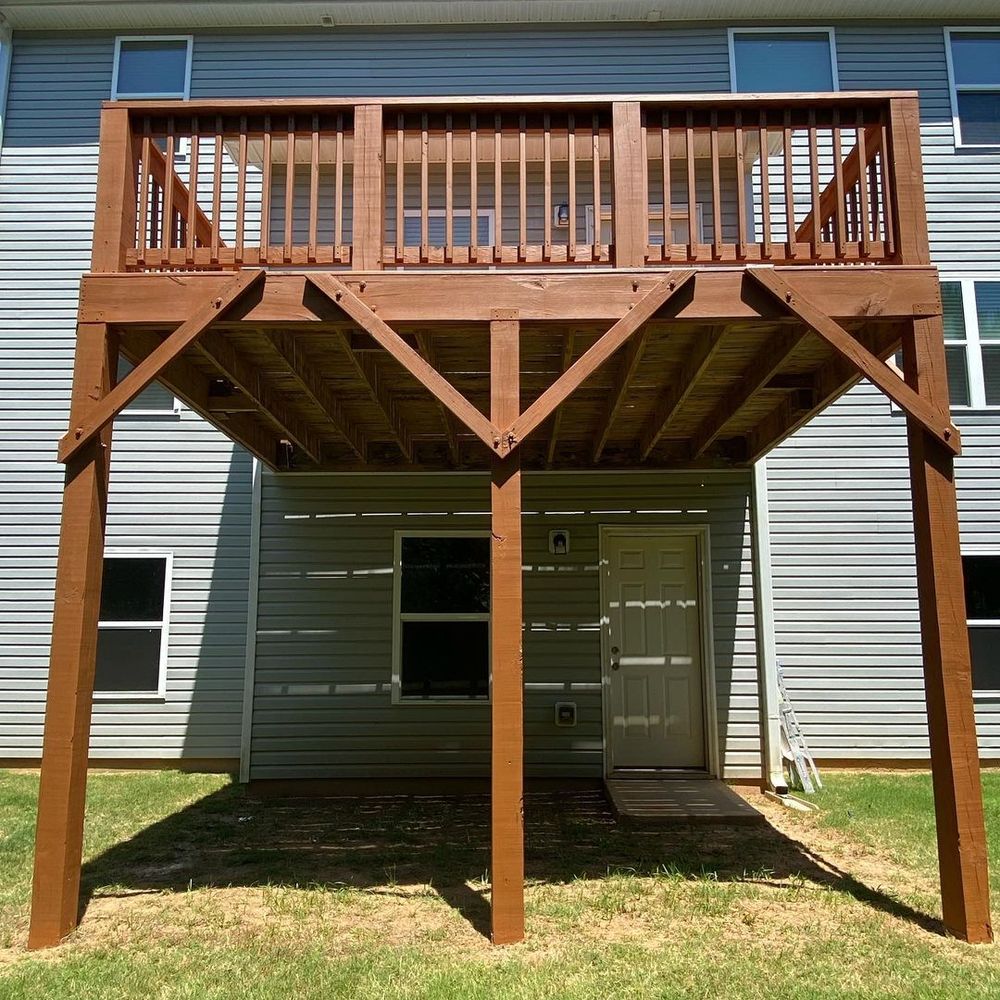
[(322, 686), (178, 483)]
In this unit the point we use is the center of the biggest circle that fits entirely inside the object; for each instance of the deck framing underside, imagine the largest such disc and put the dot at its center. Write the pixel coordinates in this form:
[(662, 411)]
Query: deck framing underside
[(295, 366)]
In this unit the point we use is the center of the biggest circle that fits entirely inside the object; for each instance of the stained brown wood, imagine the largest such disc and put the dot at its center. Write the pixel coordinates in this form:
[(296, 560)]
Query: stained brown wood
[(958, 802), (140, 377), (626, 372), (369, 193), (909, 207), (934, 421), (343, 298), (117, 180), (582, 369), (630, 209), (62, 790), (506, 607), (567, 360), (426, 345)]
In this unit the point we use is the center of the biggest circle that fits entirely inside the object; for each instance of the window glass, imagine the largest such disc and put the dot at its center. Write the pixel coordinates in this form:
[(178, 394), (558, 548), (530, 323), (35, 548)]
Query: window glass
[(131, 625), (445, 575), (445, 659), (956, 361), (782, 61), (153, 399), (152, 67), (988, 309), (954, 311), (975, 61), (982, 600), (444, 609)]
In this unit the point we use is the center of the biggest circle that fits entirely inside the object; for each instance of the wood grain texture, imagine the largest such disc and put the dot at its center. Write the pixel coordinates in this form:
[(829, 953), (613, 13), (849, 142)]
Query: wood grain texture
[(369, 187), (63, 786), (630, 207), (958, 800), (507, 713)]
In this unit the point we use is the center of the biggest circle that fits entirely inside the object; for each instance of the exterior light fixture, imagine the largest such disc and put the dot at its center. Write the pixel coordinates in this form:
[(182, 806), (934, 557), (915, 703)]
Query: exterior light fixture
[(561, 214), (559, 542)]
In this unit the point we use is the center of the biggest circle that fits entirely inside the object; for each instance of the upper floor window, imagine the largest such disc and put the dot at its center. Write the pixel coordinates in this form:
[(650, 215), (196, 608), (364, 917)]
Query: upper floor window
[(972, 342), (974, 72), (768, 61), (152, 67)]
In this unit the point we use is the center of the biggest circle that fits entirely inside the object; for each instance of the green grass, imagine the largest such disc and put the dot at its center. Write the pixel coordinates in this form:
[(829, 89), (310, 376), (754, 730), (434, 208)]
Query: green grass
[(195, 890)]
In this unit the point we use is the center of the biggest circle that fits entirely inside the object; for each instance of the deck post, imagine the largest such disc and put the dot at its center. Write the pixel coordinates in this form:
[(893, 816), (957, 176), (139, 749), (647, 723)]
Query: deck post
[(958, 801), (630, 207), (369, 188), (507, 759), (62, 791)]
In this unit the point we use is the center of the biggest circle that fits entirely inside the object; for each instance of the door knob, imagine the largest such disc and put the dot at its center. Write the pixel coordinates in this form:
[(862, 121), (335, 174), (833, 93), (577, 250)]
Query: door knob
[(615, 658)]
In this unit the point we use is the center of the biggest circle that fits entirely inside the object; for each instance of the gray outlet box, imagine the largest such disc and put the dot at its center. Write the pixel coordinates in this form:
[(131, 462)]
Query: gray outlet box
[(565, 713)]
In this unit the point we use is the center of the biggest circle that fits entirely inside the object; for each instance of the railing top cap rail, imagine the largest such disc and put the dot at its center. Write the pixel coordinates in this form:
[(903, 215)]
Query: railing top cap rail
[(854, 97)]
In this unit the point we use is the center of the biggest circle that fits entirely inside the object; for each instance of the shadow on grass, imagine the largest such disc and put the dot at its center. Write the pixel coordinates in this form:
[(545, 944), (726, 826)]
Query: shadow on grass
[(379, 842)]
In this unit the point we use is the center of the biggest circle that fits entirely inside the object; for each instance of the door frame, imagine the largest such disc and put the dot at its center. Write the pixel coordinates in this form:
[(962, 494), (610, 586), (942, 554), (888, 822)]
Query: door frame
[(702, 537)]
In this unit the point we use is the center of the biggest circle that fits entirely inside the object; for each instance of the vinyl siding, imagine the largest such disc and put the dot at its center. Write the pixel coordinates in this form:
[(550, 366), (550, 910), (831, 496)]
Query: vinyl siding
[(322, 688)]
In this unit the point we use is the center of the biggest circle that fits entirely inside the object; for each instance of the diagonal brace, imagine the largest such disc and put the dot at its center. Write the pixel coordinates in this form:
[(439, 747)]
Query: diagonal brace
[(428, 376), (108, 407), (936, 422), (585, 366)]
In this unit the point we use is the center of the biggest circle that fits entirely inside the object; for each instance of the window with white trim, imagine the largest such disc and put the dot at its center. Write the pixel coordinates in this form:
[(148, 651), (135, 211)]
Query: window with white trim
[(133, 623), (441, 641), (972, 342), (782, 60), (974, 76), (152, 67), (154, 400), (982, 602)]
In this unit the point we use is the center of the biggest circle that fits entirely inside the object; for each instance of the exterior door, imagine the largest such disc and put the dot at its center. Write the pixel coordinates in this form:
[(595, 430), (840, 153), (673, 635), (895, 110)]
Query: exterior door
[(654, 662)]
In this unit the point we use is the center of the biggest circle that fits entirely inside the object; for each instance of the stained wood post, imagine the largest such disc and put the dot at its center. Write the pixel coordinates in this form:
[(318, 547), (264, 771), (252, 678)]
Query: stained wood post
[(117, 192), (909, 208), (62, 791), (507, 764), (958, 799), (369, 188), (630, 210)]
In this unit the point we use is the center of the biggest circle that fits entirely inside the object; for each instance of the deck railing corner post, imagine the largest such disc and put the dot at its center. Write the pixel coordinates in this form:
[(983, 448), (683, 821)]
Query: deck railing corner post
[(369, 188)]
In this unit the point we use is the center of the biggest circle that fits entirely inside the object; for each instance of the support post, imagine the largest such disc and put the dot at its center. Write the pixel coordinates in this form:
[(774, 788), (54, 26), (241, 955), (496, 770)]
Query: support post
[(772, 771), (630, 211), (507, 761), (369, 188), (958, 800), (62, 791)]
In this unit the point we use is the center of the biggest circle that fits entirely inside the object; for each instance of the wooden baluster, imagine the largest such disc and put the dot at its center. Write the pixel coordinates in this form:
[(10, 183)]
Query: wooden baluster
[(289, 191), (498, 189), (840, 218), (789, 186), (241, 191), (716, 185), (547, 183), (866, 247), (449, 190), (473, 189), (314, 191), (888, 226), (154, 216), (338, 192), (741, 191), (596, 135), (265, 193), (425, 239), (765, 188), (571, 181), (874, 194), (522, 201), (814, 191), (190, 230), (167, 220), (692, 192), (668, 226), (144, 192), (217, 190), (400, 188)]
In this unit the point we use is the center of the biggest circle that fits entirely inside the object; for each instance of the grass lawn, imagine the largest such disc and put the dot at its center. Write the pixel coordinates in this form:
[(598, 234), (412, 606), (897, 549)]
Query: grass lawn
[(193, 889)]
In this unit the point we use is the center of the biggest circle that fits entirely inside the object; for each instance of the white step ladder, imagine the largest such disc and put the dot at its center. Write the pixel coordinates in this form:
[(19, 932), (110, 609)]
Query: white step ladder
[(793, 743)]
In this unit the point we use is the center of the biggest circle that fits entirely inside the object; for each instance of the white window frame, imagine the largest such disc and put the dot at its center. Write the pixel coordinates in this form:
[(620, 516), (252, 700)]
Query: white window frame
[(607, 212), (982, 550), (953, 87), (973, 343), (181, 95), (6, 54), (776, 29), (458, 213), (398, 617), (163, 625)]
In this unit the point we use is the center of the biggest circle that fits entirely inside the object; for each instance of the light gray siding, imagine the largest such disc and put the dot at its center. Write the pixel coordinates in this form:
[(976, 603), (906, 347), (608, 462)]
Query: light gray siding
[(322, 688)]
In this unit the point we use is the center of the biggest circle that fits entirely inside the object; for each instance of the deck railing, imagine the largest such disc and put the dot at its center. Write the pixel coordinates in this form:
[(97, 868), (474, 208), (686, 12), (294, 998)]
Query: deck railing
[(498, 182)]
